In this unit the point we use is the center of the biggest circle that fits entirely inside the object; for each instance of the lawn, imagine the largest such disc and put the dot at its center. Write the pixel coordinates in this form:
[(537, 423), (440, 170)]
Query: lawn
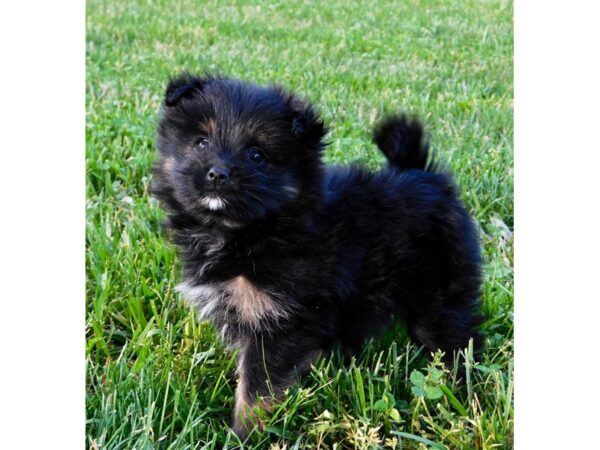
[(157, 378)]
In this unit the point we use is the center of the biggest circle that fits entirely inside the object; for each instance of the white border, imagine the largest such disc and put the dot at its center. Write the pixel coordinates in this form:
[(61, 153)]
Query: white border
[(556, 232), (557, 224), (42, 228)]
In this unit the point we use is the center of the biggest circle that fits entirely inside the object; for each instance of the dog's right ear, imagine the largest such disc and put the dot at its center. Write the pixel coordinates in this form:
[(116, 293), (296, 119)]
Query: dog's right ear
[(183, 86)]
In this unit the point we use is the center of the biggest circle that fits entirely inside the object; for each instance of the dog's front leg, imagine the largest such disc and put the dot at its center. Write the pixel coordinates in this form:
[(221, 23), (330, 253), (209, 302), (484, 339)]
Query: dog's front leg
[(267, 366)]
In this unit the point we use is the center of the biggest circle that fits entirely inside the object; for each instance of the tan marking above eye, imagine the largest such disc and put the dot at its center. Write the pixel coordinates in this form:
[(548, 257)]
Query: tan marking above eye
[(208, 127)]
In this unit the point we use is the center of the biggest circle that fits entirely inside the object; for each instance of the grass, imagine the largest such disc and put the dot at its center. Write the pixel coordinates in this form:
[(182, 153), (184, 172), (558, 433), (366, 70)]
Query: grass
[(158, 379)]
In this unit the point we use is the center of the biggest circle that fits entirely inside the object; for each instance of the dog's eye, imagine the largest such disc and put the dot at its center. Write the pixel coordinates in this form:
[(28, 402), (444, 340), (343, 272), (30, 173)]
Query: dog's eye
[(256, 155), (201, 143)]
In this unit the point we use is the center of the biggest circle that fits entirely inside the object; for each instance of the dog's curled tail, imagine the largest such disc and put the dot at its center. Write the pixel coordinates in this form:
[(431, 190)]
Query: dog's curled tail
[(402, 142)]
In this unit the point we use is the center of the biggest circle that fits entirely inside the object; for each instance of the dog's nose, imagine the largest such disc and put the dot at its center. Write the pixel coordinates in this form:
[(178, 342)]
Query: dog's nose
[(217, 174)]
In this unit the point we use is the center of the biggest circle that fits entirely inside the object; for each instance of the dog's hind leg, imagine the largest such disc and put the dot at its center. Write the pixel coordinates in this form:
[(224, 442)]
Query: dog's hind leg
[(449, 330)]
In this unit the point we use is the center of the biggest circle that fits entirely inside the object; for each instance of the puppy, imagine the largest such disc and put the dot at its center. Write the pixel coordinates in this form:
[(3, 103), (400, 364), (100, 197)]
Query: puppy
[(287, 256)]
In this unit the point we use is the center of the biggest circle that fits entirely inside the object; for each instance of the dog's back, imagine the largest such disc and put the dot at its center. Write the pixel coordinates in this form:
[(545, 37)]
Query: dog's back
[(408, 247)]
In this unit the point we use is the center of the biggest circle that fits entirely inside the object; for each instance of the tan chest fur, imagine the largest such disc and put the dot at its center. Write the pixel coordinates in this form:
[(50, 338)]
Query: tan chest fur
[(251, 304)]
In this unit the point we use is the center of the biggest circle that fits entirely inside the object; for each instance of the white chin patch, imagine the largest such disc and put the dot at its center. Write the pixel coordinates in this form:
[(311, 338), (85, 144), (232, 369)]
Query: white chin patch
[(213, 203)]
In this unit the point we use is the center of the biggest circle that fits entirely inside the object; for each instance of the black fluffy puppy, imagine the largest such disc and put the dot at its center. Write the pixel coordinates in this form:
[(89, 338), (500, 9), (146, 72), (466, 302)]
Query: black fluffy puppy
[(287, 256)]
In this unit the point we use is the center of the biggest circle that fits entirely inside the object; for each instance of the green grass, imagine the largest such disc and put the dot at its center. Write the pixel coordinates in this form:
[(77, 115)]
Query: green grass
[(158, 379)]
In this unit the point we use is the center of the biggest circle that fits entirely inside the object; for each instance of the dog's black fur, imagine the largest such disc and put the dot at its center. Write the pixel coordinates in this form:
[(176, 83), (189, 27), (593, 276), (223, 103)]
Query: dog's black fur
[(287, 256)]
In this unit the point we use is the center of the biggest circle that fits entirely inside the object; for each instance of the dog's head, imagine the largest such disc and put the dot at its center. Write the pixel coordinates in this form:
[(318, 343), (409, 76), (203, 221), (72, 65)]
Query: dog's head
[(235, 152)]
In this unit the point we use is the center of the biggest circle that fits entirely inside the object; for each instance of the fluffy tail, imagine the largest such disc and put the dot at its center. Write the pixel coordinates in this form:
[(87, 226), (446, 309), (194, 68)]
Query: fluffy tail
[(401, 141)]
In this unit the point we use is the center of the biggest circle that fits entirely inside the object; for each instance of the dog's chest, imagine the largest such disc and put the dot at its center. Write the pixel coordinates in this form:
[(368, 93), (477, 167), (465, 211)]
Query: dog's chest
[(234, 302)]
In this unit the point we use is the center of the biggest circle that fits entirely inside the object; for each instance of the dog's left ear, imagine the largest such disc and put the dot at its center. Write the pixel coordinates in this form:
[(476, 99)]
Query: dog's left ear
[(306, 122), (183, 86)]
